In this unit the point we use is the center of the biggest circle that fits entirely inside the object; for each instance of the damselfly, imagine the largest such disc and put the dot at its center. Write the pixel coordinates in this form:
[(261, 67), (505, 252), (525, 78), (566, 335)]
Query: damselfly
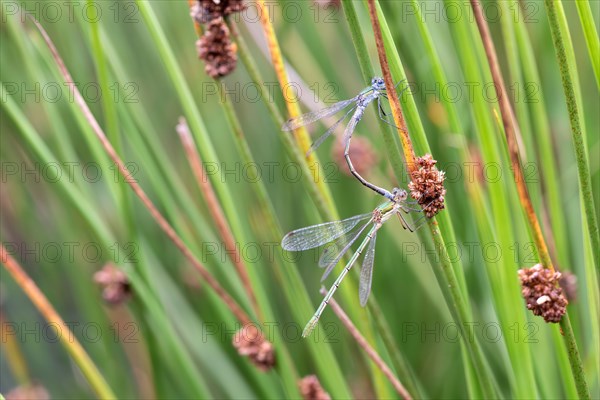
[(343, 234), (359, 104)]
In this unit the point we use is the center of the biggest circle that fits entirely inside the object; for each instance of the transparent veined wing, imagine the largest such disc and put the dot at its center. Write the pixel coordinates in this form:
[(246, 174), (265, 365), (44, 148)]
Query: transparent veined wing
[(328, 132), (366, 272), (334, 260), (309, 118), (318, 235), (331, 250)]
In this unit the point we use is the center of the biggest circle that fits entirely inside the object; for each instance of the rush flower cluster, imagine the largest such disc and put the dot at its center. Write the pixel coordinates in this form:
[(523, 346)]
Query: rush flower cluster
[(542, 294)]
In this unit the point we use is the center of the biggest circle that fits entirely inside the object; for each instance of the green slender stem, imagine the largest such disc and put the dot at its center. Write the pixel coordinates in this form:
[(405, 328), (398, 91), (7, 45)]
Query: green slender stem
[(402, 366), (112, 129), (300, 134), (295, 291), (287, 140), (166, 181), (574, 358), (452, 288), (108, 105), (591, 35), (460, 313), (421, 144), (547, 156), (393, 151), (42, 152), (371, 352), (554, 200), (360, 46), (514, 79), (110, 114), (501, 273), (196, 123), (581, 152), (585, 183), (455, 125), (72, 345), (511, 129), (169, 337), (289, 373)]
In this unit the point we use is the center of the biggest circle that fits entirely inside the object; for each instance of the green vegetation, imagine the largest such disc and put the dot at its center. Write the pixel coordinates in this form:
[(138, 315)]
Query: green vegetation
[(446, 312)]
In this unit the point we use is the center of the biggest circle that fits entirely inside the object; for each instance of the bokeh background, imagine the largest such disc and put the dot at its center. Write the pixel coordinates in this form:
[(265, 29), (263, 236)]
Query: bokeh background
[(172, 337)]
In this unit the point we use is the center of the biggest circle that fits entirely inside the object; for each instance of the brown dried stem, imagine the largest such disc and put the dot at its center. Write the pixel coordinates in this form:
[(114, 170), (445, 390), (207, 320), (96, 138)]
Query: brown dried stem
[(236, 310), (407, 146), (511, 130), (362, 342), (211, 198), (300, 134), (216, 211), (82, 359)]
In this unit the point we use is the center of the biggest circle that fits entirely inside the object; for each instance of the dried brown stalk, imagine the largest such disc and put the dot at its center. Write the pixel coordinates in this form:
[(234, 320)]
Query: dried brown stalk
[(407, 146), (511, 130), (89, 369), (236, 310), (215, 210), (362, 342)]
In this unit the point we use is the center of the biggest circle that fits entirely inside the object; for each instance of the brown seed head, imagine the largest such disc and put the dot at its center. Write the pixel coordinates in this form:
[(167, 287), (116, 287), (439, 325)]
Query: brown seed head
[(364, 157), (206, 10), (427, 185), (541, 293), (217, 50), (311, 389), (115, 286), (250, 341)]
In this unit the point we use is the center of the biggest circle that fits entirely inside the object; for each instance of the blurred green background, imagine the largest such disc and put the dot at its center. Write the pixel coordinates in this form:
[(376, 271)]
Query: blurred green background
[(179, 332)]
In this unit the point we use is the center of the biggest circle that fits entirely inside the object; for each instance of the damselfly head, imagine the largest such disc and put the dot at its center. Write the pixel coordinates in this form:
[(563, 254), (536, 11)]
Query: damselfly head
[(378, 83), (399, 195)]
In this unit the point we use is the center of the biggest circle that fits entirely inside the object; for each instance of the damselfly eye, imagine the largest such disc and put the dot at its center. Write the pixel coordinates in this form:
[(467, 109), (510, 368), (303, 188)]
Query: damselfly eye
[(380, 81), (374, 81)]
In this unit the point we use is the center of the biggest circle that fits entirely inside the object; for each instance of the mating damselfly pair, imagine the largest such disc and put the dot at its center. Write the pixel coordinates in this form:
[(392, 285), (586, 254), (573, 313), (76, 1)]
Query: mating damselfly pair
[(359, 103), (343, 234)]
